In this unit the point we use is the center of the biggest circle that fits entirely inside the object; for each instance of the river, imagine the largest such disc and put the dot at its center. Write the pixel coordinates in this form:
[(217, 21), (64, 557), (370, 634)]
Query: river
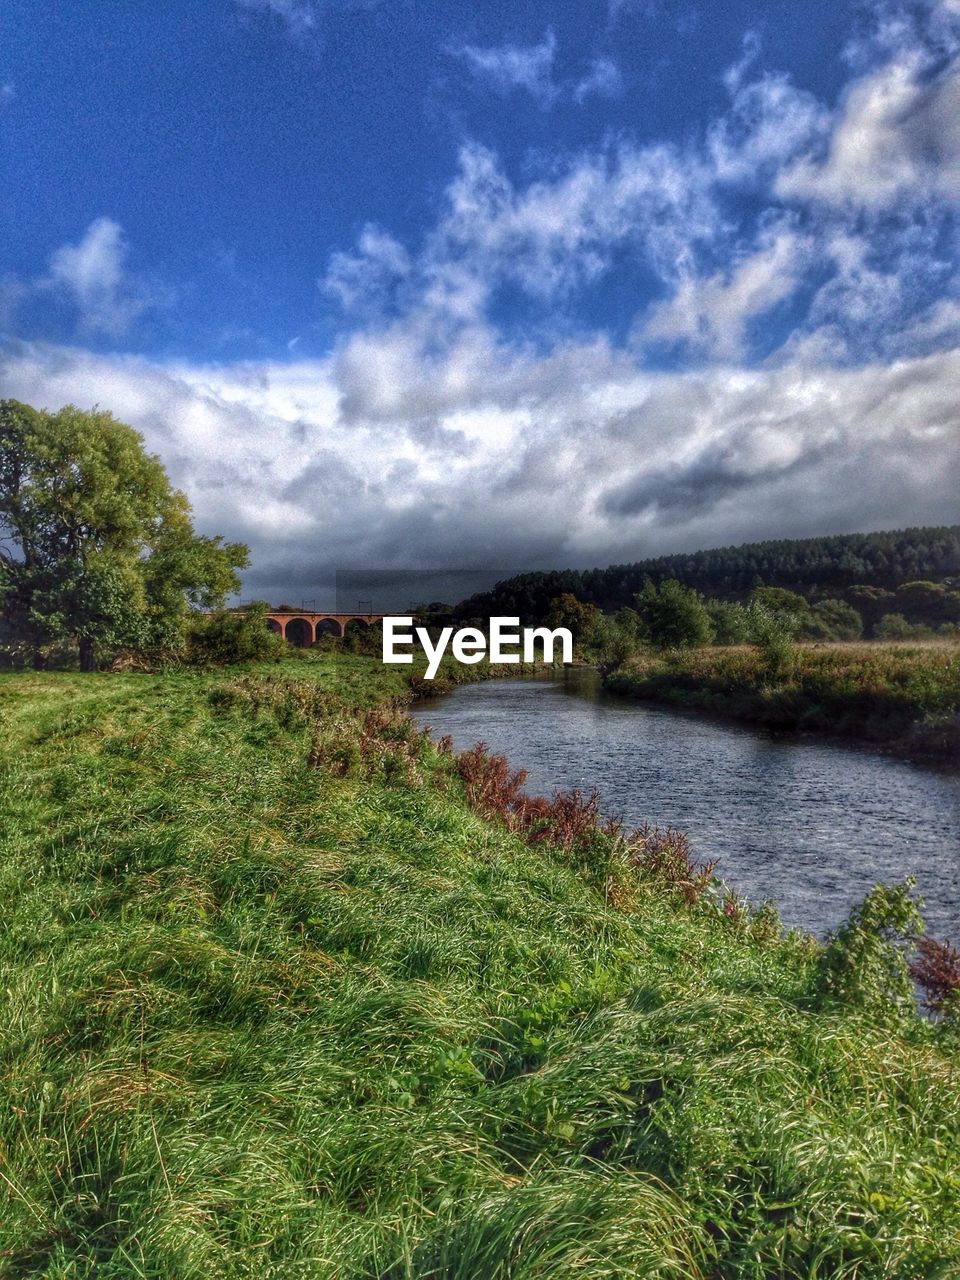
[(809, 825)]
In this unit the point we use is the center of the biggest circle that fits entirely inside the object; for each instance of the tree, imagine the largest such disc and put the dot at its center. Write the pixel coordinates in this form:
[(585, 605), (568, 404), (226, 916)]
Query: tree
[(567, 611), (96, 544), (927, 602), (628, 621), (894, 626), (673, 616), (618, 643), (814, 566), (780, 601)]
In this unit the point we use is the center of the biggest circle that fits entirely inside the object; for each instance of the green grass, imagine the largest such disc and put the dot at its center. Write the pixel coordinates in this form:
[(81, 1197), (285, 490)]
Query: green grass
[(275, 1003), (906, 696)]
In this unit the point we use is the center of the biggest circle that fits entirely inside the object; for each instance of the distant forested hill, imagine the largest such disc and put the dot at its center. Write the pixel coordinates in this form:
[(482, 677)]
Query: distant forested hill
[(816, 567)]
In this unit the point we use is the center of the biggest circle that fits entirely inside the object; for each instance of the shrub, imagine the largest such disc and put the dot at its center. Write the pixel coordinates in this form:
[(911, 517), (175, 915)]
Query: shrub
[(488, 783), (662, 855), (618, 647), (673, 616), (730, 622), (226, 637), (771, 632), (782, 603), (834, 620), (569, 821), (582, 619), (936, 970), (864, 962), (894, 626)]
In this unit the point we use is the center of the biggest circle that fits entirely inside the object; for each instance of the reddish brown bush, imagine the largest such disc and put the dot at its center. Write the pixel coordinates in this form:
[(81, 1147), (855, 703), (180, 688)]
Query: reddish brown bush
[(490, 787), (936, 970), (569, 819), (663, 854)]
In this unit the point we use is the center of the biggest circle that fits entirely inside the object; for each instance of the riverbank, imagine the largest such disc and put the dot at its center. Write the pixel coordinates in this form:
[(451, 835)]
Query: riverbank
[(279, 999), (802, 820), (905, 698)]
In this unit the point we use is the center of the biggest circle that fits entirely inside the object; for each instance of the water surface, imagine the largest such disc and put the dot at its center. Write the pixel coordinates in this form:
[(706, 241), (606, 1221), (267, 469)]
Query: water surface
[(810, 825)]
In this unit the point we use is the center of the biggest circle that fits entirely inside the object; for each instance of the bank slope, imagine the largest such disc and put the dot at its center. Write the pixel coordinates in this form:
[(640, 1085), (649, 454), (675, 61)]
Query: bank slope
[(276, 1002)]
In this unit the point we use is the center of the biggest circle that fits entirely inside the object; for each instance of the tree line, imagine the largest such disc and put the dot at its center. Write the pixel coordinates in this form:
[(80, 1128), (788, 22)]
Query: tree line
[(909, 574)]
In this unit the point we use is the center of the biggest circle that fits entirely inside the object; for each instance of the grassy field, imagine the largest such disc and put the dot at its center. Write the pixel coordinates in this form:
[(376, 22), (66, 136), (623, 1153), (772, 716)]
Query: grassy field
[(276, 1001), (906, 696)]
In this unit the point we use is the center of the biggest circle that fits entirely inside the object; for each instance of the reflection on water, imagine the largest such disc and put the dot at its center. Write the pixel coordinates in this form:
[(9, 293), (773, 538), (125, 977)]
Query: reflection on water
[(807, 824)]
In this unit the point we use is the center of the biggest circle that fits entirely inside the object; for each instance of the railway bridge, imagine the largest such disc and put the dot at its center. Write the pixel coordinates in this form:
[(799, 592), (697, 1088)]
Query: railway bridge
[(302, 629)]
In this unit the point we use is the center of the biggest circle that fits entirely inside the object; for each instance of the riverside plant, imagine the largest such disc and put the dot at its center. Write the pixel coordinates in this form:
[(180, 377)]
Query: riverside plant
[(570, 821), (936, 970), (904, 696), (266, 1016)]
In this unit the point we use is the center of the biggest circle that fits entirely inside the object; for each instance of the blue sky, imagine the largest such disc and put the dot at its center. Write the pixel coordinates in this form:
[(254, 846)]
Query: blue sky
[(392, 284)]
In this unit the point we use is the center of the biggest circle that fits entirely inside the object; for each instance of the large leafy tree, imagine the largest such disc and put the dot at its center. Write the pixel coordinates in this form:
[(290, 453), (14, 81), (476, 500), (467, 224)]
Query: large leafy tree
[(95, 544), (673, 616)]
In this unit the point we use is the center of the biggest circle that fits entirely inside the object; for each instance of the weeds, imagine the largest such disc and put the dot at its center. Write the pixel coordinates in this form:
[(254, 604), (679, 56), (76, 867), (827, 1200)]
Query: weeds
[(662, 855), (865, 961), (570, 822)]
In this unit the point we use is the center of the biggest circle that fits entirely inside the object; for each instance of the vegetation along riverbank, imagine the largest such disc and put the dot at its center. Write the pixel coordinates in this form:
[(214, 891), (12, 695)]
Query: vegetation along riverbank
[(905, 697), (290, 990)]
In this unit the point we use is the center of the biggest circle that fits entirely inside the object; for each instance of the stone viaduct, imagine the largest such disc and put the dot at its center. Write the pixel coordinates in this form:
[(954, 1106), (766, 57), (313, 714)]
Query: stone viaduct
[(303, 628)]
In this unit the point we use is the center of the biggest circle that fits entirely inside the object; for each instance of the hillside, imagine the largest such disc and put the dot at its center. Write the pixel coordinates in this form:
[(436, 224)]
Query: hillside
[(813, 566), (277, 1001)]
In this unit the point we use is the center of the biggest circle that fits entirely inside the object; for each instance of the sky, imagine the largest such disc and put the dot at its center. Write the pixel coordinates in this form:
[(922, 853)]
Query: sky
[(392, 285)]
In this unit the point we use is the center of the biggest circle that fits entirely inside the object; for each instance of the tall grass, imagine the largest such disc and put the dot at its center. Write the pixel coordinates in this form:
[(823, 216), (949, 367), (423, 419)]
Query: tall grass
[(906, 695), (277, 1001)]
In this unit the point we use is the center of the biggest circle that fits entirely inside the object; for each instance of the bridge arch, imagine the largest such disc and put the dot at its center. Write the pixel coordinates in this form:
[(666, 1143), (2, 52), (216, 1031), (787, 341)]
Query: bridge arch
[(329, 627), (299, 632)]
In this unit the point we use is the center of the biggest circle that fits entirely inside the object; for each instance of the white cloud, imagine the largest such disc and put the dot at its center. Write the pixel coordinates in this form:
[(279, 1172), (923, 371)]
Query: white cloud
[(734, 75), (890, 26), (769, 122), (392, 455), (939, 323), (93, 275), (669, 210), (531, 68), (711, 314), (433, 435), (549, 237), (896, 139), (603, 80), (365, 277), (509, 67)]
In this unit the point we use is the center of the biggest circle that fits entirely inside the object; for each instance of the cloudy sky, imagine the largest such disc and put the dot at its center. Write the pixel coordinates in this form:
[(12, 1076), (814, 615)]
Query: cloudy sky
[(397, 284)]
